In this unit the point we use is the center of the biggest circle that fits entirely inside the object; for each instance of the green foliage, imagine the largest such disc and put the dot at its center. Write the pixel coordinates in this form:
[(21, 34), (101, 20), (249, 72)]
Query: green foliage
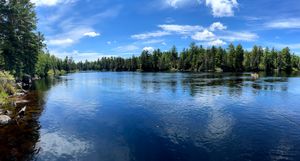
[(9, 88), (7, 85), (20, 43), (49, 65), (197, 59)]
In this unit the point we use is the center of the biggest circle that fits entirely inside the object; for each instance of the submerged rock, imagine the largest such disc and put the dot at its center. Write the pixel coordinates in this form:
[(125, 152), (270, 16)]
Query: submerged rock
[(4, 119)]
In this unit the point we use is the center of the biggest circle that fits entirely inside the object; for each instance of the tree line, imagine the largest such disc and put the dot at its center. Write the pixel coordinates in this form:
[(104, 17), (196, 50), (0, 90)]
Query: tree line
[(200, 59)]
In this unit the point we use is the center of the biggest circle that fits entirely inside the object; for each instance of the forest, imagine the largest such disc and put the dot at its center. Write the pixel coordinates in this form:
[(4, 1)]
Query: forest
[(200, 59)]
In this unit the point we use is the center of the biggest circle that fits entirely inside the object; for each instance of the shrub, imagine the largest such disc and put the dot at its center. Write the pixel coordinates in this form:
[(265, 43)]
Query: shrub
[(9, 88)]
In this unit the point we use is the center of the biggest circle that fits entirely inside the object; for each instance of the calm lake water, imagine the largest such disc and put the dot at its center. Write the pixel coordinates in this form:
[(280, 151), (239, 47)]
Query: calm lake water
[(124, 116)]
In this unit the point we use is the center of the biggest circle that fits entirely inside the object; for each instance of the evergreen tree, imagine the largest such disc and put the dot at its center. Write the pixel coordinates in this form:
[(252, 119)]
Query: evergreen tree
[(239, 58), (20, 42)]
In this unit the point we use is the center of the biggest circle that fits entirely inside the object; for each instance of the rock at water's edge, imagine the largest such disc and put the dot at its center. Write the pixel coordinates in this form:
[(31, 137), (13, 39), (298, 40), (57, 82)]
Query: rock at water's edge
[(4, 119)]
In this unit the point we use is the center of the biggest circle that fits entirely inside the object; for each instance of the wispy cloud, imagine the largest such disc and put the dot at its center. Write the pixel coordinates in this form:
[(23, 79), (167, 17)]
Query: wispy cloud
[(50, 2), (288, 23), (180, 3), (294, 46), (72, 29), (127, 48), (150, 35), (60, 42), (239, 36), (180, 29), (91, 34), (154, 41), (216, 34), (80, 55), (71, 37)]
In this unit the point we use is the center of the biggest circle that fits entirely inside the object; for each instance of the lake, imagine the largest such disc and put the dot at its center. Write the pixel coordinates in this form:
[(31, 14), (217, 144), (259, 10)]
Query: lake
[(132, 116)]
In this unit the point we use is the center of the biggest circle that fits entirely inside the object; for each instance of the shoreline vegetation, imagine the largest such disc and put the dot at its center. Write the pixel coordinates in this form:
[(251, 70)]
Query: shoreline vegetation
[(24, 56)]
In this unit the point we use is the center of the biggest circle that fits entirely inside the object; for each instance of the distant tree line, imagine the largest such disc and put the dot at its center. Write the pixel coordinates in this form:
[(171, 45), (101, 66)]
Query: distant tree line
[(199, 59)]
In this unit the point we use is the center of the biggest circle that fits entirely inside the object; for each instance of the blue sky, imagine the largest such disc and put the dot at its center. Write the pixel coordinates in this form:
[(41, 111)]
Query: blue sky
[(91, 29)]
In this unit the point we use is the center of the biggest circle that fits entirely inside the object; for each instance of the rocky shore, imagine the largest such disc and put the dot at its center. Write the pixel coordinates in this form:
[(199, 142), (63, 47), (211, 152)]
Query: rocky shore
[(12, 97)]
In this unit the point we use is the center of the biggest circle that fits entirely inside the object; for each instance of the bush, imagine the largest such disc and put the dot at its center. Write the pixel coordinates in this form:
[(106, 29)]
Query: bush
[(51, 72), (9, 88), (3, 95)]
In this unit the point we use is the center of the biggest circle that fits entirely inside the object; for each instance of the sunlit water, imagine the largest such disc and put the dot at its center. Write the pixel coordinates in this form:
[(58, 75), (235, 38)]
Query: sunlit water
[(111, 116)]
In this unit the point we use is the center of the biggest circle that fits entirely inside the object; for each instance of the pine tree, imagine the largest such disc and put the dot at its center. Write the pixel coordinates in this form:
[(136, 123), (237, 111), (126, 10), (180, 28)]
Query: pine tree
[(239, 58)]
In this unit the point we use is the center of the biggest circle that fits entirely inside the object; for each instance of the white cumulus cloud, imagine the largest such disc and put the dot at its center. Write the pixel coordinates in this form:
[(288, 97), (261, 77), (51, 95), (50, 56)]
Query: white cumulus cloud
[(217, 26), (203, 35), (217, 42), (148, 48), (222, 8)]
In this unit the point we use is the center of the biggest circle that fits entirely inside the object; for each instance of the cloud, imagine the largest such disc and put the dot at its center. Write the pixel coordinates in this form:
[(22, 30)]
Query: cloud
[(284, 23), (69, 31), (216, 34), (180, 29), (239, 36), (168, 29), (203, 35), (222, 8), (127, 48), (150, 35), (91, 34), (180, 3), (217, 26), (148, 48), (294, 46), (169, 20), (69, 38), (50, 2), (60, 42), (80, 55), (216, 42), (154, 41)]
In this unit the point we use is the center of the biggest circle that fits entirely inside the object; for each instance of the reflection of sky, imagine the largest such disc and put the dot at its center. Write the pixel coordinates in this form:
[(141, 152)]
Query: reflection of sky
[(219, 121), (96, 110), (57, 145)]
